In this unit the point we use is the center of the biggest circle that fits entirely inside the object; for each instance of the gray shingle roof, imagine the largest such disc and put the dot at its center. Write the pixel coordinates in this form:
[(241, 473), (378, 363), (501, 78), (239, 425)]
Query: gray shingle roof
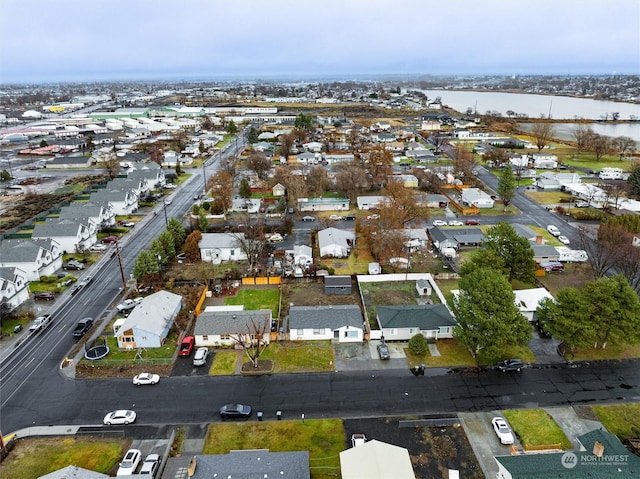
[(19, 251), (253, 464), (57, 227), (333, 317), (426, 317), (220, 240), (231, 322)]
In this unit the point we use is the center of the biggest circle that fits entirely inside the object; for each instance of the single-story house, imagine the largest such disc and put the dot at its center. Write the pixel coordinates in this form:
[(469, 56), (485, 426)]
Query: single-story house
[(545, 161), (252, 463), (14, 287), (408, 181), (339, 323), (432, 201), (601, 454), (278, 190), (227, 328), (369, 202), (70, 161), (35, 257), (149, 322), (335, 242), (218, 247), (376, 460), (528, 301), (543, 253), (476, 197), (74, 472), (401, 323), (323, 204), (246, 205), (551, 181), (441, 238), (337, 284), (302, 255)]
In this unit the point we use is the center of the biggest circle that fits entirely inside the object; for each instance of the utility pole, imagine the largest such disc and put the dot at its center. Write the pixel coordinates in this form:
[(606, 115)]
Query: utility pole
[(204, 173), (124, 280), (166, 221)]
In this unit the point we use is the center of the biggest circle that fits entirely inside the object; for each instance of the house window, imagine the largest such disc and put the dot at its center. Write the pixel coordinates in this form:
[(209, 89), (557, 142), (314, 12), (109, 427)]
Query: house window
[(413, 330), (352, 333), (205, 337), (300, 332), (317, 332), (225, 337), (127, 339), (445, 329), (232, 252), (393, 332)]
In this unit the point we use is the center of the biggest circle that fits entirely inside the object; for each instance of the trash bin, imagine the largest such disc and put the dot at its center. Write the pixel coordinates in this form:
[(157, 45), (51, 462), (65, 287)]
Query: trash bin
[(259, 415)]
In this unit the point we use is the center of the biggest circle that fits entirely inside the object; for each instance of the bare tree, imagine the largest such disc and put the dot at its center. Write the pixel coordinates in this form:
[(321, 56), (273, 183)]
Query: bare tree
[(628, 264), (428, 180), (623, 145), (156, 154), (293, 181), (542, 133), (438, 140), (583, 135), (615, 190), (387, 244), (464, 165), (600, 145), (221, 188), (286, 144), (351, 180), (379, 163), (111, 165), (317, 181), (251, 244), (252, 339), (259, 163), (604, 252), (401, 209)]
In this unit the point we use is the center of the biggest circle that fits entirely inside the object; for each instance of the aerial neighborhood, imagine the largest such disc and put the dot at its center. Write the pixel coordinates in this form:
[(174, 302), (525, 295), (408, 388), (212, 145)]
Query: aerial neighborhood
[(219, 236)]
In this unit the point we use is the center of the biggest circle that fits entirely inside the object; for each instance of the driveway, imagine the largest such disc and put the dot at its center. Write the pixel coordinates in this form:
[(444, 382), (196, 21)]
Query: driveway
[(545, 349), (364, 356)]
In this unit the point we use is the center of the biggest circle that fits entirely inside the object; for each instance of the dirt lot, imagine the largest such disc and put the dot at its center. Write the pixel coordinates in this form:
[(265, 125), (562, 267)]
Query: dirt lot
[(433, 450), (575, 275), (312, 294)]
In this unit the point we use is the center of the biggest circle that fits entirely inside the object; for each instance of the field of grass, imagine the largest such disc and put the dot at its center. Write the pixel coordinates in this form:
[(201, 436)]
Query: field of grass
[(37, 457), (623, 420), (224, 363), (323, 438), (451, 354), (254, 299), (164, 352), (535, 427), (612, 351), (300, 356), (523, 352)]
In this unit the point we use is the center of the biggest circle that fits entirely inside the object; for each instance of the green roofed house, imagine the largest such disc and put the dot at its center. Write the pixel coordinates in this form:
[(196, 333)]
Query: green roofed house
[(601, 456), (400, 323)]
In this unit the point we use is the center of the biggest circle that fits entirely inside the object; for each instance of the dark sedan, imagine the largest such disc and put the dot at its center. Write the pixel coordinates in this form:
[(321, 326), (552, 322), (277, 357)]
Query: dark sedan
[(235, 411), (383, 351), (510, 365)]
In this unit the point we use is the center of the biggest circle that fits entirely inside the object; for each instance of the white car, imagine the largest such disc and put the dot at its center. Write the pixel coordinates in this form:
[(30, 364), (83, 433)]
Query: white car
[(582, 204), (146, 378), (128, 304), (98, 248), (502, 430), (335, 218), (358, 440), (456, 223), (130, 463), (563, 239), (439, 223), (553, 230), (121, 416), (200, 358), (150, 465), (374, 216), (276, 238)]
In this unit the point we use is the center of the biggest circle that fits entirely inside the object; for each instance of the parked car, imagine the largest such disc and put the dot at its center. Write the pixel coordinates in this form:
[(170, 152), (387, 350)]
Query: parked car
[(472, 222), (335, 218), (374, 216), (308, 218), (563, 239), (200, 358), (582, 204), (82, 327), (128, 304), (456, 223), (439, 223), (502, 430), (544, 333), (550, 266), (44, 296), (276, 238), (358, 439), (235, 411), (553, 230), (121, 416), (146, 378), (186, 346), (98, 248), (109, 239), (383, 351), (150, 465), (510, 365), (73, 265), (349, 217), (127, 224), (130, 463)]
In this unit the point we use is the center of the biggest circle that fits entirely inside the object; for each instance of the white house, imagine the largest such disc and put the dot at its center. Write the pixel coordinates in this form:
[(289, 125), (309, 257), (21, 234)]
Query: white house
[(14, 287), (226, 328), (376, 460), (101, 214), (401, 323), (302, 255), (218, 247), (34, 257), (71, 235), (335, 243), (528, 301), (373, 201), (343, 324), (476, 197), (556, 181), (544, 161), (124, 202)]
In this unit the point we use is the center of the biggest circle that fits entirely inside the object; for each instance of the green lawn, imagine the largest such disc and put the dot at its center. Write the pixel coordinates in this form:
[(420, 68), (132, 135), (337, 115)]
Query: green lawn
[(300, 356), (224, 363), (623, 420), (523, 352), (37, 457), (116, 354), (612, 351), (254, 299), (535, 427), (323, 438), (451, 354)]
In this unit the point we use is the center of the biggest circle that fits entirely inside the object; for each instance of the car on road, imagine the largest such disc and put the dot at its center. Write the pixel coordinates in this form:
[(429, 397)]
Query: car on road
[(82, 327), (439, 223), (308, 218), (456, 223), (150, 465), (130, 463), (235, 411), (383, 351), (276, 238), (200, 358), (44, 296), (335, 218), (563, 239), (81, 284), (582, 204), (349, 217), (472, 222), (502, 430), (109, 239), (186, 346), (73, 265), (510, 365), (554, 231), (358, 439), (121, 416), (40, 323), (146, 378)]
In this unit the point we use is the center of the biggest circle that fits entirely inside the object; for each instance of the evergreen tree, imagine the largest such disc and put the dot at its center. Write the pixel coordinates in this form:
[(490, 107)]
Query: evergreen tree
[(507, 185)]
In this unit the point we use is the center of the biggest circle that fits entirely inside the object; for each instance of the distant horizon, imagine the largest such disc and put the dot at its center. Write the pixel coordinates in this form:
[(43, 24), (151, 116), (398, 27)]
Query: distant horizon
[(75, 41)]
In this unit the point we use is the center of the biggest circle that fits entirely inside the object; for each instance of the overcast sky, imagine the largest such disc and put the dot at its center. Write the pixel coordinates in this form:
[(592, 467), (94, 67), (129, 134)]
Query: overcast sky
[(80, 40)]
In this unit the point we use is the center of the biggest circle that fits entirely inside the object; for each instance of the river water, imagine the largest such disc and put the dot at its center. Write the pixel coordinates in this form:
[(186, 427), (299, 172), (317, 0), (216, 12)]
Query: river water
[(536, 106)]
